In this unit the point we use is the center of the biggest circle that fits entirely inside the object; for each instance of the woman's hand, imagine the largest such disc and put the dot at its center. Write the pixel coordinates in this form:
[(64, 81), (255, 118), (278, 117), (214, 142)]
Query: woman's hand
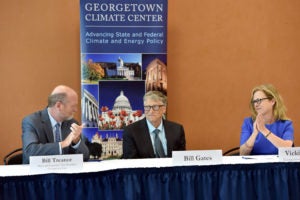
[(260, 124)]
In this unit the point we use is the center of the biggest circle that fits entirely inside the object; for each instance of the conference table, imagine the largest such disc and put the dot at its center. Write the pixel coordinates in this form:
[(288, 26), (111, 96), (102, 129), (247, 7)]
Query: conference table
[(237, 177)]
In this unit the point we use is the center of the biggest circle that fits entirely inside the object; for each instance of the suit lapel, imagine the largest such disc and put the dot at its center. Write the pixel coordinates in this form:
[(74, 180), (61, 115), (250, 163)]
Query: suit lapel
[(168, 136), (47, 125), (146, 137), (65, 130)]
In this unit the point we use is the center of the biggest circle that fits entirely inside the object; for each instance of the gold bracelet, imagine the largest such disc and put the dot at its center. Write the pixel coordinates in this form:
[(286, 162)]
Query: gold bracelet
[(267, 135)]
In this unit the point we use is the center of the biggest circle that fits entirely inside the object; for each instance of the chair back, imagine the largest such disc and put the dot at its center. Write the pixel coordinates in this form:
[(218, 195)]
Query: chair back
[(232, 152), (15, 157)]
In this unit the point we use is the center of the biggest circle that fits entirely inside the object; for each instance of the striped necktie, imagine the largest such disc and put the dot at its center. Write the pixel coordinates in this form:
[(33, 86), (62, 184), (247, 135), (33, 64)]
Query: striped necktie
[(159, 151), (57, 133)]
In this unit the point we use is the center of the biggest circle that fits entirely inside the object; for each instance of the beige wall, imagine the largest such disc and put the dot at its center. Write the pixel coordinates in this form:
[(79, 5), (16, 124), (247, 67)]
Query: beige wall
[(217, 51)]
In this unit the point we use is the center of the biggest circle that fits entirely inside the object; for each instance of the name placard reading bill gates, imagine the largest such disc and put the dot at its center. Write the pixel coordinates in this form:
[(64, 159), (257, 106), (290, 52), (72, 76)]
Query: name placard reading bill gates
[(289, 154), (56, 164), (201, 157)]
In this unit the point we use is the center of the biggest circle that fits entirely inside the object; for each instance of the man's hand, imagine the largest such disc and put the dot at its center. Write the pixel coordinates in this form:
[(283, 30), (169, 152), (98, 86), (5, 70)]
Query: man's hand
[(74, 136), (66, 142), (76, 131)]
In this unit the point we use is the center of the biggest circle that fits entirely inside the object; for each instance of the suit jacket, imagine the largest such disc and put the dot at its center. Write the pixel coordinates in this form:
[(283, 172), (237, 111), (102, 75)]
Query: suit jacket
[(137, 142), (38, 139)]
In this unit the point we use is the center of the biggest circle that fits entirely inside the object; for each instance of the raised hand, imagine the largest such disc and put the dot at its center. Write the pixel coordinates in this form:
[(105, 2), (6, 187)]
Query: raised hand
[(76, 131)]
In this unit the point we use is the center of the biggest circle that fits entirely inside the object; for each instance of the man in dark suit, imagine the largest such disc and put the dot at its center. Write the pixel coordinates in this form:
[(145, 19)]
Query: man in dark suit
[(153, 136), (53, 131)]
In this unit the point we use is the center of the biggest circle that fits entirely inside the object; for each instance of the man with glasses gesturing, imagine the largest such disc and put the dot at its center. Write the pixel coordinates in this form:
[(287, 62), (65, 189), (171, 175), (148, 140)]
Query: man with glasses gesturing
[(269, 128), (153, 136)]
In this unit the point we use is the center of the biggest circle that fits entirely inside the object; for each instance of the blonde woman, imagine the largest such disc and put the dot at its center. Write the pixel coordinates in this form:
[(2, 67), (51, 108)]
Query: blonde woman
[(269, 128)]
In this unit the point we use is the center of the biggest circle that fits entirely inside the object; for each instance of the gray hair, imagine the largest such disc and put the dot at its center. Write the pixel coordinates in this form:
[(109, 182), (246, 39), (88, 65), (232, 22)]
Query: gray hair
[(156, 96), (57, 97)]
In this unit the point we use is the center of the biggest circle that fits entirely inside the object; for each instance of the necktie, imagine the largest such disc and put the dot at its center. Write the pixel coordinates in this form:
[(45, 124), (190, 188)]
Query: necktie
[(57, 132), (159, 151)]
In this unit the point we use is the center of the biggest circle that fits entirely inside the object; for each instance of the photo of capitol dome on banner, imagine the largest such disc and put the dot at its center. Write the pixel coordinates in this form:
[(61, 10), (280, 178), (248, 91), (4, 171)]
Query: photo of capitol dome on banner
[(116, 104), (120, 116), (120, 103)]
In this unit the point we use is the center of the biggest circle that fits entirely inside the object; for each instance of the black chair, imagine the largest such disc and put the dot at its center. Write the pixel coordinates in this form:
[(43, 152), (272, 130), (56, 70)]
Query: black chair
[(232, 152), (14, 158)]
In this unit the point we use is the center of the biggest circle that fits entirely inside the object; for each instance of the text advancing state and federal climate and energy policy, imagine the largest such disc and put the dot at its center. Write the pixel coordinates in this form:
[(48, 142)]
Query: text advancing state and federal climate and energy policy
[(139, 38)]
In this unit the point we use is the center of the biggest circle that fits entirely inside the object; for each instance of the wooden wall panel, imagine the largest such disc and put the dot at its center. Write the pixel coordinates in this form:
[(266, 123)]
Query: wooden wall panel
[(217, 51)]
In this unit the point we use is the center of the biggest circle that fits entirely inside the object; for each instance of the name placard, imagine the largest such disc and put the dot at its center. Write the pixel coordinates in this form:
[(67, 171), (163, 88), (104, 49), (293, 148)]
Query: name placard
[(289, 154), (197, 157), (56, 164)]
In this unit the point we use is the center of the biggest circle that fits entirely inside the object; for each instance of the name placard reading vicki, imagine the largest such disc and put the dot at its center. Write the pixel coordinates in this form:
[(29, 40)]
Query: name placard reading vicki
[(289, 154), (197, 157), (56, 164)]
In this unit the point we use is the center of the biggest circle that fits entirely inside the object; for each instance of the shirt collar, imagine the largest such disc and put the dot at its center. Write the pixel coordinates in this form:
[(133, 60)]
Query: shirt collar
[(152, 128), (52, 120)]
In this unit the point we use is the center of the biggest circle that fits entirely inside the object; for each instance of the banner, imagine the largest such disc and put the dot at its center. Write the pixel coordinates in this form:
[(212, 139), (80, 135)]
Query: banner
[(123, 55)]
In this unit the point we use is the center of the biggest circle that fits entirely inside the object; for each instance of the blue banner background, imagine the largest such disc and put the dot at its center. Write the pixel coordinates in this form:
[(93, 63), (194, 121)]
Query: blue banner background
[(123, 55), (100, 26)]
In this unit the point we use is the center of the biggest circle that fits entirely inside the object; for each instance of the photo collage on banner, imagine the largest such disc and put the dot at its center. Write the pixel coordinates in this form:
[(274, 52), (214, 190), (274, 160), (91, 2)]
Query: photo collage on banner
[(123, 55)]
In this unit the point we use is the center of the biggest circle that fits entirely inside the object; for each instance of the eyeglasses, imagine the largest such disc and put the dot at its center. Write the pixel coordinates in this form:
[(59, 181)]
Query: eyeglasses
[(154, 107), (258, 101)]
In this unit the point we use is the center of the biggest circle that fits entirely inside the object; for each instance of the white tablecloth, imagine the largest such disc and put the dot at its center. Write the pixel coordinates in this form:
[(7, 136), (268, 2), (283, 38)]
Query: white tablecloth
[(23, 170)]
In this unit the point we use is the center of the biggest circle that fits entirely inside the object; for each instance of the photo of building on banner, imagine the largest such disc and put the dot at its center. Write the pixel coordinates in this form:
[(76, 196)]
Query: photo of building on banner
[(119, 64)]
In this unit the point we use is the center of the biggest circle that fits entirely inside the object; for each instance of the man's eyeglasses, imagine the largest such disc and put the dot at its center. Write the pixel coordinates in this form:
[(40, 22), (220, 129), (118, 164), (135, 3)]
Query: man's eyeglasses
[(154, 107), (258, 101)]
